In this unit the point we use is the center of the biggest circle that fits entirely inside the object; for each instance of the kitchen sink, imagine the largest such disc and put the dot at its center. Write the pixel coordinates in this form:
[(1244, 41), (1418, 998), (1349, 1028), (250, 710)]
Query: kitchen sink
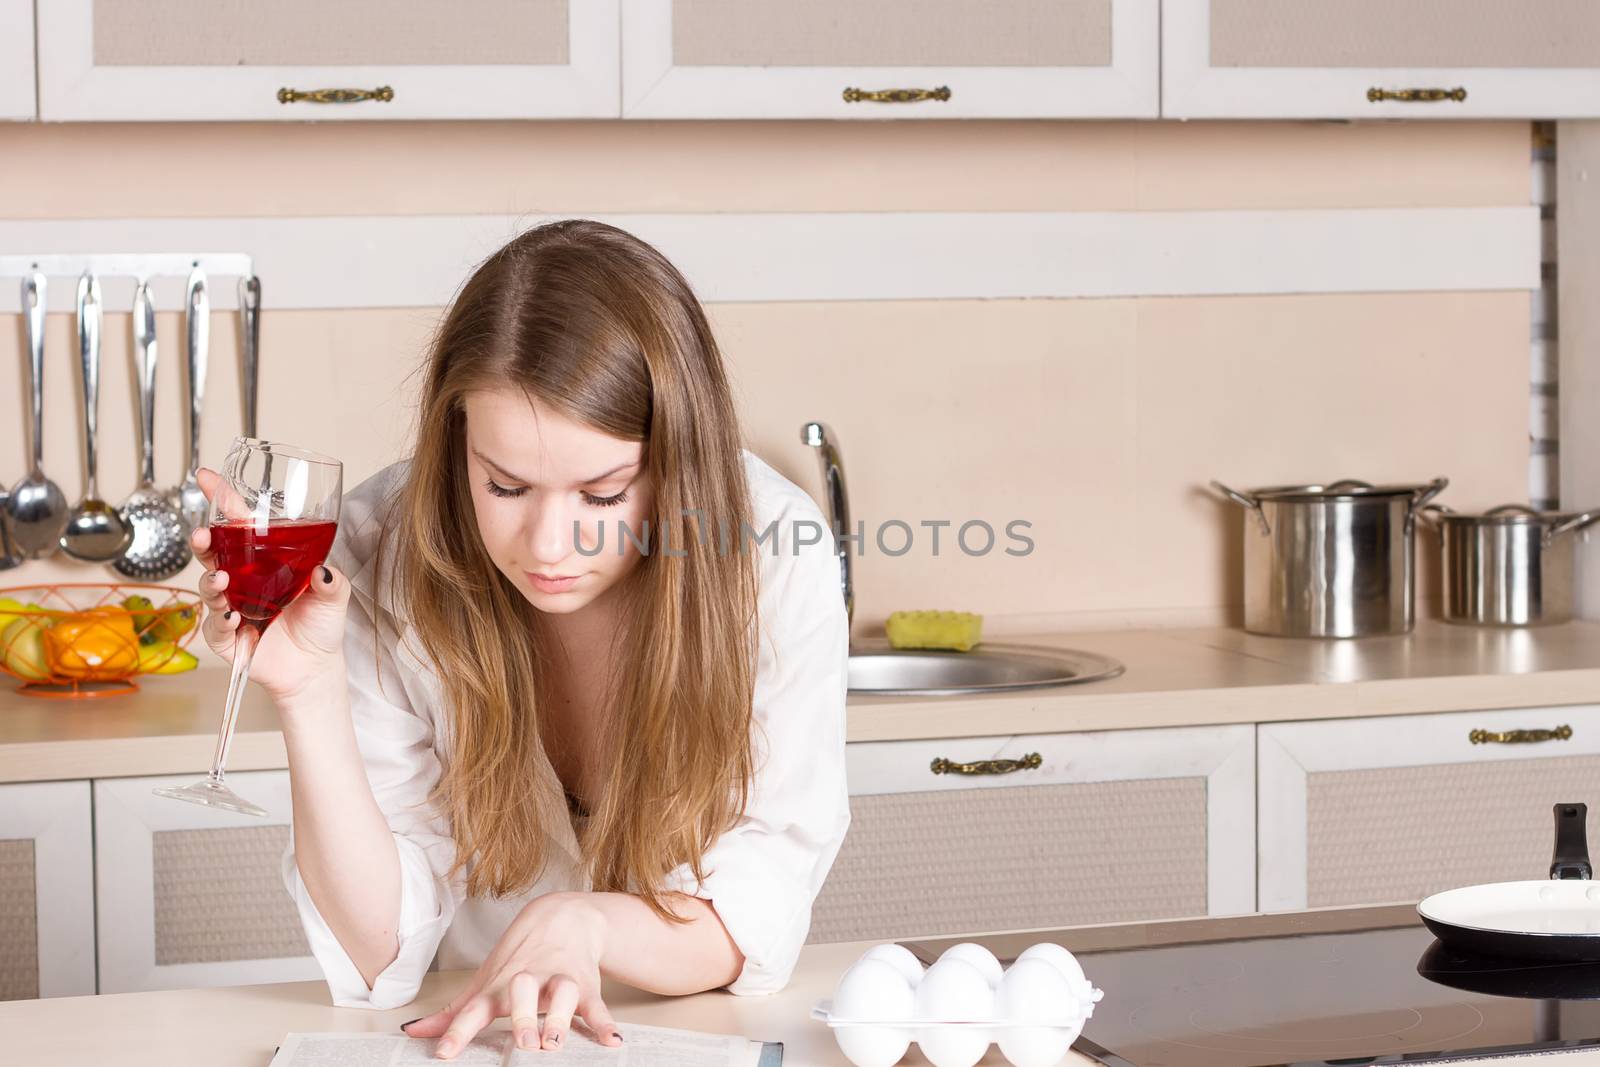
[(988, 668), (876, 667)]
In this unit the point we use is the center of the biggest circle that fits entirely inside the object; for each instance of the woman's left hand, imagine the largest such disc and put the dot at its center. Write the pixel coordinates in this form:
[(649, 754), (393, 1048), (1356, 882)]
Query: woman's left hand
[(549, 960)]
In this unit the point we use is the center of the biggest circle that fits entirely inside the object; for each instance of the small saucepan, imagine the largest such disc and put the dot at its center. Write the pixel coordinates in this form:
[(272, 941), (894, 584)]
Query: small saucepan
[(1508, 566), (1557, 919)]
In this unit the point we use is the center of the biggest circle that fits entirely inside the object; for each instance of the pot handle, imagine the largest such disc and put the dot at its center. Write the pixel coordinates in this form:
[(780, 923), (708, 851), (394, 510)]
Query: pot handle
[(1429, 491), (1571, 859), (1246, 501), (1577, 522)]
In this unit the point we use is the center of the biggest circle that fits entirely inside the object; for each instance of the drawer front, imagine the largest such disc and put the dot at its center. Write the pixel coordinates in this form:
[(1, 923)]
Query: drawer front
[(1043, 830), (1402, 833), (193, 896), (1018, 858), (1380, 810)]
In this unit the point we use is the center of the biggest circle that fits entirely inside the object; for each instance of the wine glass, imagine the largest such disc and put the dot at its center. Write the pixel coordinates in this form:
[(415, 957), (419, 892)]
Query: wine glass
[(273, 519)]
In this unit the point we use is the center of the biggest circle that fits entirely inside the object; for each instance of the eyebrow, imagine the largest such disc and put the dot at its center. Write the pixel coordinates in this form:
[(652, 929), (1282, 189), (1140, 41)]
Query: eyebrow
[(508, 476)]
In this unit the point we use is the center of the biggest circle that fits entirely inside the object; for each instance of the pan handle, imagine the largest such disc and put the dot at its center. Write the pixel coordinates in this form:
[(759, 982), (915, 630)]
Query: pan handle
[(1571, 858)]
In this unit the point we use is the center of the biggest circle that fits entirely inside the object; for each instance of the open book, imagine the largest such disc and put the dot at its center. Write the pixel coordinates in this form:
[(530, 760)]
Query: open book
[(642, 1046)]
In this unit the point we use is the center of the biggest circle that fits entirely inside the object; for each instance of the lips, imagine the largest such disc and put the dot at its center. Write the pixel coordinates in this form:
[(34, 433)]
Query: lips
[(552, 585)]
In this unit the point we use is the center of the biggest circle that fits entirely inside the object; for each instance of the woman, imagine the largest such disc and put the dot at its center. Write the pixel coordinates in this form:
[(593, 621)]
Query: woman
[(538, 739)]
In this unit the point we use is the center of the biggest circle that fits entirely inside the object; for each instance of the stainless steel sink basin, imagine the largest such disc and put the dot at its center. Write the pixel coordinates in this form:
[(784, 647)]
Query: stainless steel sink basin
[(989, 668)]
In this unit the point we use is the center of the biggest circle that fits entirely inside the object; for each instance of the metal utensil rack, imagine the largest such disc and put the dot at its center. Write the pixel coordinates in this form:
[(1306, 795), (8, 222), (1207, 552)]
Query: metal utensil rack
[(164, 272)]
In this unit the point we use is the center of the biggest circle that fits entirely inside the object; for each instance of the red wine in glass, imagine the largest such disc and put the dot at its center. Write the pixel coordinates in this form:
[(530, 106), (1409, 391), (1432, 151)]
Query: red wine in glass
[(268, 566), (273, 518)]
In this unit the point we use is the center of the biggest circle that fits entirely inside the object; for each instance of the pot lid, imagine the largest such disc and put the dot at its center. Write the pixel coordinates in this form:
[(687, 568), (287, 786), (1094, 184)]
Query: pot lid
[(1505, 515), (1347, 489)]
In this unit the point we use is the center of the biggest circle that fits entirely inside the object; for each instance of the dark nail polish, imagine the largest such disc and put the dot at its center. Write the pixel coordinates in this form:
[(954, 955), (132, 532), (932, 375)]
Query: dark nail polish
[(327, 576), (408, 1022), (617, 1034), (553, 1039), (227, 616)]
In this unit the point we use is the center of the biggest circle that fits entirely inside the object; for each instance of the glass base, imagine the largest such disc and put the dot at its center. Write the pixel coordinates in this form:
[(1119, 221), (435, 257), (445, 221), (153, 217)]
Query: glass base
[(213, 794)]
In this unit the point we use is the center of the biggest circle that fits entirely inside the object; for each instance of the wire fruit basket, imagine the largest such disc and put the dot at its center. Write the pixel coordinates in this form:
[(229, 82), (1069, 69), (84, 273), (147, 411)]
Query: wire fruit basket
[(93, 639)]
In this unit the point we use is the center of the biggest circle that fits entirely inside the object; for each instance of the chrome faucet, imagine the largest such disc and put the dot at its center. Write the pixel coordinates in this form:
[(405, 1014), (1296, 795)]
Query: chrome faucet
[(837, 501)]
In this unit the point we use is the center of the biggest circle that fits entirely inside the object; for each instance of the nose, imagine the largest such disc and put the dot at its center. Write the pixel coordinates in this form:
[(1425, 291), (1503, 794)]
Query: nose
[(550, 536)]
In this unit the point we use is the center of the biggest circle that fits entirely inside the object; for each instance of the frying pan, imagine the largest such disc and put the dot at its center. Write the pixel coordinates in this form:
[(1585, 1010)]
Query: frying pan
[(1557, 919)]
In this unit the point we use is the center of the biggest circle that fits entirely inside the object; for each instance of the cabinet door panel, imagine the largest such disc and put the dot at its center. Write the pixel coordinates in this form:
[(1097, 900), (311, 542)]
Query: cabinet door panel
[(193, 896), (1385, 810), (1103, 826), (204, 59), (46, 891), (1307, 59), (1007, 58), (16, 60)]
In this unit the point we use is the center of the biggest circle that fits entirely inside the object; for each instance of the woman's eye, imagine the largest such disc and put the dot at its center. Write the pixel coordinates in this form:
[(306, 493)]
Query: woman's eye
[(606, 501), (499, 490)]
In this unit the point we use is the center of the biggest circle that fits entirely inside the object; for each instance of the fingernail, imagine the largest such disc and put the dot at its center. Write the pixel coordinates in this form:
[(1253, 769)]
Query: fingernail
[(552, 1040), (408, 1022), (327, 576), (227, 616), (617, 1034), (446, 1047), (525, 1038)]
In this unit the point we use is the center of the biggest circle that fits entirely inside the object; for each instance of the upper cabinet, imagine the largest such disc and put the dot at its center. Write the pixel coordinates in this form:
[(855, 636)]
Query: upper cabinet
[(111, 60), (1380, 59), (16, 59), (850, 59)]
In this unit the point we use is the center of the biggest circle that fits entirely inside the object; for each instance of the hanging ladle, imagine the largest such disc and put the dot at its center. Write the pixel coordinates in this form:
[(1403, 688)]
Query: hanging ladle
[(95, 532), (37, 508)]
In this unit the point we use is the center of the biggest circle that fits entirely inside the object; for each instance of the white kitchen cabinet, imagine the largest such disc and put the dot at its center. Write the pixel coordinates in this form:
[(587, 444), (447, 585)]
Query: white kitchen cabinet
[(105, 60), (16, 60), (1391, 809), (772, 59), (1099, 827), (1313, 59), (46, 891), (193, 896)]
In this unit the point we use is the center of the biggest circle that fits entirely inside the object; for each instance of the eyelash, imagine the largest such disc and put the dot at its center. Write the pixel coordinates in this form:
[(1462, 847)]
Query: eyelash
[(594, 501)]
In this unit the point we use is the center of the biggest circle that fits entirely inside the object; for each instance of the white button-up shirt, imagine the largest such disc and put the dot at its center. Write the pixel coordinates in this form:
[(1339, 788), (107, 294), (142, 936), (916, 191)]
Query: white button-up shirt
[(761, 875)]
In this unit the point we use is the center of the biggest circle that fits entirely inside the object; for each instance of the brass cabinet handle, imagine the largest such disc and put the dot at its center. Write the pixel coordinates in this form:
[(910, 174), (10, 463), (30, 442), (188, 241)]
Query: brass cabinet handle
[(1416, 96), (1519, 737), (895, 96), (383, 94), (1031, 762)]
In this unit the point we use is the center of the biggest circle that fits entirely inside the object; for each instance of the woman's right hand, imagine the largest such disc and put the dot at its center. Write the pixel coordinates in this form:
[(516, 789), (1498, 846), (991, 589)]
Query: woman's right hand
[(304, 646)]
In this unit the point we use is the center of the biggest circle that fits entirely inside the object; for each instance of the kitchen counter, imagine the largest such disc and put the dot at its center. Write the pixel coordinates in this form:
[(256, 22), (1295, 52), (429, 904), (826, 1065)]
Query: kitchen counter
[(240, 1026), (1173, 678)]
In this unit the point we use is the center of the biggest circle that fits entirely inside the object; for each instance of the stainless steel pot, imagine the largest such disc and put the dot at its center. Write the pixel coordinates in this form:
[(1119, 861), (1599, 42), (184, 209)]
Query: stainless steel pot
[(1330, 560), (1509, 566)]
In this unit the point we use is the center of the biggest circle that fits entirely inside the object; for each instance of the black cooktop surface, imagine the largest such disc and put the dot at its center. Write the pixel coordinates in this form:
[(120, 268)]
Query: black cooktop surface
[(1365, 997)]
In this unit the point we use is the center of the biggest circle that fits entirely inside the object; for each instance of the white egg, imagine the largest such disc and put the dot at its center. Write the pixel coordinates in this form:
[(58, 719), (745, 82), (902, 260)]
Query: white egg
[(952, 991), (900, 958), (979, 957), (872, 990), (1060, 958), (1034, 991)]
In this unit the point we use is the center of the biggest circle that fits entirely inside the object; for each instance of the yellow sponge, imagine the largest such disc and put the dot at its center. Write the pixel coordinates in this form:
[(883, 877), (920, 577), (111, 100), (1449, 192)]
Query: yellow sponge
[(955, 630)]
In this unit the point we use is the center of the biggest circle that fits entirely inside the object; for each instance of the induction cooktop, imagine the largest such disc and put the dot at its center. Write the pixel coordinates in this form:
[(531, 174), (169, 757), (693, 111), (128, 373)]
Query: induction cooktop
[(1366, 996)]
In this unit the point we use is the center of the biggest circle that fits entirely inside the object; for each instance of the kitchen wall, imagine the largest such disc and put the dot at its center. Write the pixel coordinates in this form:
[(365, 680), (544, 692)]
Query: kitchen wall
[(1097, 420)]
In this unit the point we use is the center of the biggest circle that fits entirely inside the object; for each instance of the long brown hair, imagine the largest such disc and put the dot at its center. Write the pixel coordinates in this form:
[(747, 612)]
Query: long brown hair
[(598, 325)]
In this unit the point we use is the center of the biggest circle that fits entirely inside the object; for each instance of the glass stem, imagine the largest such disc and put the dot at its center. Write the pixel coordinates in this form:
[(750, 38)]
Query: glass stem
[(245, 640)]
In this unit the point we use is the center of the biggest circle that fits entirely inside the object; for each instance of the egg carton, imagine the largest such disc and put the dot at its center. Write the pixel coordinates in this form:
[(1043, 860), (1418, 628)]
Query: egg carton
[(953, 1011)]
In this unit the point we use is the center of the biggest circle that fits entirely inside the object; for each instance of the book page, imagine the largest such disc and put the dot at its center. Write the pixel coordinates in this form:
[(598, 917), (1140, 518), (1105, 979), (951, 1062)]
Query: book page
[(642, 1046)]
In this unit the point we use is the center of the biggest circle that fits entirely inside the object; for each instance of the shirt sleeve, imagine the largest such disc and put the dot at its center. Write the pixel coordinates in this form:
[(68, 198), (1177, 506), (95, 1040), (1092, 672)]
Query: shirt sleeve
[(395, 735), (763, 874)]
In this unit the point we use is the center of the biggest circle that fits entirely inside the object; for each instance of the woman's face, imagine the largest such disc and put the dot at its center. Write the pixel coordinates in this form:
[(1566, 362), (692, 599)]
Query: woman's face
[(537, 477)]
